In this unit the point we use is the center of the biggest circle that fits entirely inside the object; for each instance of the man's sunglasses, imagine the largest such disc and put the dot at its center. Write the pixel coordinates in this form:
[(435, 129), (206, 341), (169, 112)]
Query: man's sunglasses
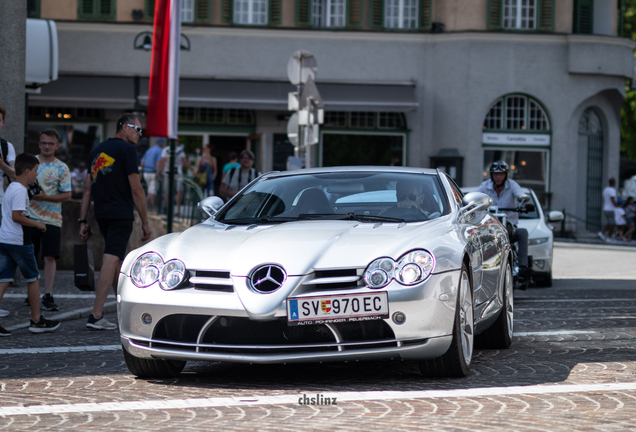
[(137, 128), (402, 197)]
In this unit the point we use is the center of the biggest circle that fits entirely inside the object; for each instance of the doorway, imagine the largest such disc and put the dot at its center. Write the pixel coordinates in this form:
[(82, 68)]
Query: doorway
[(222, 147), (590, 130), (340, 149)]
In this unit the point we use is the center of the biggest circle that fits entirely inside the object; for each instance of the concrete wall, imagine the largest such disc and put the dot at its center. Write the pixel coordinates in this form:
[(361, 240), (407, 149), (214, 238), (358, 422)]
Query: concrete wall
[(12, 53), (58, 9)]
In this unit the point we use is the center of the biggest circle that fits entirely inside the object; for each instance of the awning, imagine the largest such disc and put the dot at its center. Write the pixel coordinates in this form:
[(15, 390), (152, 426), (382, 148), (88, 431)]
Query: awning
[(119, 93), (87, 92), (272, 96)]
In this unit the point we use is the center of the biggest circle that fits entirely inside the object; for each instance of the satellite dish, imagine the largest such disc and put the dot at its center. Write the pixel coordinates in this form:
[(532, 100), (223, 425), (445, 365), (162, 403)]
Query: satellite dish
[(301, 65), (292, 129)]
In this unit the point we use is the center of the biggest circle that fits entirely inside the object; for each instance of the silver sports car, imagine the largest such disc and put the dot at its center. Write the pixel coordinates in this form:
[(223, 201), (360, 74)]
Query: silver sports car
[(326, 264)]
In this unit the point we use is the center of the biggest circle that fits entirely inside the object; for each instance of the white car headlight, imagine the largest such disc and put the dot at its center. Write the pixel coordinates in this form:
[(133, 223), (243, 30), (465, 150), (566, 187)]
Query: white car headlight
[(150, 268), (172, 274), (412, 268), (538, 241), (379, 273)]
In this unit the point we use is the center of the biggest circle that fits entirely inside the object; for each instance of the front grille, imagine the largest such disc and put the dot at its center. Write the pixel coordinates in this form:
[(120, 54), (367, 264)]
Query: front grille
[(335, 279), (211, 280), (243, 335)]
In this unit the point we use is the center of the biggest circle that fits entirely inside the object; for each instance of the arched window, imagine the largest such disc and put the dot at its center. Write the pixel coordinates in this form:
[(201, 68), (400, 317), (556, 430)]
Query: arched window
[(517, 129), (517, 113)]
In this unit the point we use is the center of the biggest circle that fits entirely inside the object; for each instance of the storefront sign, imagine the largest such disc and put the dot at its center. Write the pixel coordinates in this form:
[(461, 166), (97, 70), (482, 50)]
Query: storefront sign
[(516, 139)]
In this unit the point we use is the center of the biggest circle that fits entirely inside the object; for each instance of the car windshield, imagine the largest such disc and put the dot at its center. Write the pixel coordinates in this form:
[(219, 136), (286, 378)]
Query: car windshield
[(362, 196), (533, 214)]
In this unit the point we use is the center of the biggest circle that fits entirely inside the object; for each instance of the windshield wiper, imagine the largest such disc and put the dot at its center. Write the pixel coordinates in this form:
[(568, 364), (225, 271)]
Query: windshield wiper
[(349, 216), (256, 220)]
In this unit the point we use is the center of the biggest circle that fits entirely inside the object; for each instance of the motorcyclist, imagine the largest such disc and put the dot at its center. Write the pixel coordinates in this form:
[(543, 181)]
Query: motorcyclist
[(504, 193)]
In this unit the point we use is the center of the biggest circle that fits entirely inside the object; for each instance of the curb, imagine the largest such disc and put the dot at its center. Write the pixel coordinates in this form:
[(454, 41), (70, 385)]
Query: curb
[(71, 315)]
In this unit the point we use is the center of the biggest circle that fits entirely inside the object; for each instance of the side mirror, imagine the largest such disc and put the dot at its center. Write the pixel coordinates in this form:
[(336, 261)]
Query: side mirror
[(524, 198), (555, 216), (473, 202), (210, 205)]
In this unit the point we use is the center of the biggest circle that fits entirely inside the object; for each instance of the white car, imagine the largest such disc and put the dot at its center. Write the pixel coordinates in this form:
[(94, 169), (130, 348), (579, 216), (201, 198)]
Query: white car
[(540, 238)]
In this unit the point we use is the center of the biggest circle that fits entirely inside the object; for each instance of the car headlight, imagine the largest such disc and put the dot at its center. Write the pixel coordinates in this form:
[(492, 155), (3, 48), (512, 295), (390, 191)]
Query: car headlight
[(172, 274), (538, 241), (411, 268), (414, 267), (150, 268)]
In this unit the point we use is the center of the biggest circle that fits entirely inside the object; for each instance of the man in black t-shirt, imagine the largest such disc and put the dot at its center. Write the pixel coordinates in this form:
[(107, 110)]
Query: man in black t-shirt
[(113, 181)]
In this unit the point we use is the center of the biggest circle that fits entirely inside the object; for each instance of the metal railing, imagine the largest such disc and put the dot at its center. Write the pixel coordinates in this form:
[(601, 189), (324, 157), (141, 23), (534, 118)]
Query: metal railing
[(186, 211)]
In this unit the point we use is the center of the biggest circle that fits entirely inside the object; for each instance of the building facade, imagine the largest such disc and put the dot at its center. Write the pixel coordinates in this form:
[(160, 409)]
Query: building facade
[(448, 83)]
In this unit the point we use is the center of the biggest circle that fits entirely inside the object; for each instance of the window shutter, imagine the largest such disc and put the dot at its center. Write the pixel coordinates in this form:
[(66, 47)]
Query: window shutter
[(376, 13), (275, 11), (354, 13), (494, 14), (303, 12), (583, 16), (426, 15), (87, 7), (546, 15), (150, 9), (202, 11), (227, 11)]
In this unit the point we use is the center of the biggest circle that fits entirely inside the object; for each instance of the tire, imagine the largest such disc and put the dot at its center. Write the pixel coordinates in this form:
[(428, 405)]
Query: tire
[(499, 335), (456, 362), (544, 281), (145, 368)]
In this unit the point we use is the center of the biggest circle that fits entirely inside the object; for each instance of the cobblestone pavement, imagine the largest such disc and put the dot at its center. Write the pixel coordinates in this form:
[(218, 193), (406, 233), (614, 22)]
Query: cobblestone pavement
[(571, 367)]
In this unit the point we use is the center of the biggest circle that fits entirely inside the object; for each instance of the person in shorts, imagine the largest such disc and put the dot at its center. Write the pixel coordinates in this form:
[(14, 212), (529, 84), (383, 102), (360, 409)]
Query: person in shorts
[(16, 247), (609, 204), (113, 183), (54, 178)]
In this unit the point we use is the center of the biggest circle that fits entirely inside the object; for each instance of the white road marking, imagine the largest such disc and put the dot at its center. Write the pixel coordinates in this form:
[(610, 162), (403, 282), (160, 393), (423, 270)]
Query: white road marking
[(60, 349), (553, 333), (293, 399)]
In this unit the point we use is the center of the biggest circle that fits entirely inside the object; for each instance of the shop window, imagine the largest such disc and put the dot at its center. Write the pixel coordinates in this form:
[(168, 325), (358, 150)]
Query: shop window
[(391, 120), (96, 9), (187, 115), (400, 14), (328, 13), (362, 120), (528, 167), (517, 113), (239, 117), (336, 119), (64, 114), (211, 115), (252, 12)]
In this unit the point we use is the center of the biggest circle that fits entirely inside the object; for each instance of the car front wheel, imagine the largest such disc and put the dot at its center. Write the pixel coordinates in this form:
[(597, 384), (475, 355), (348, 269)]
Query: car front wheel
[(147, 368), (459, 357)]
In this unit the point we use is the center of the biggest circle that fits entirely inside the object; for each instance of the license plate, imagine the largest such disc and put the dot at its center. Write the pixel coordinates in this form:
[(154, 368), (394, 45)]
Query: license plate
[(337, 308)]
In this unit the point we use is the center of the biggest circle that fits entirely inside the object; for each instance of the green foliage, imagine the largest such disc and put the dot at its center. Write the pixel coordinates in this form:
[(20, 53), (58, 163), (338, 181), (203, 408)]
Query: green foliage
[(629, 19)]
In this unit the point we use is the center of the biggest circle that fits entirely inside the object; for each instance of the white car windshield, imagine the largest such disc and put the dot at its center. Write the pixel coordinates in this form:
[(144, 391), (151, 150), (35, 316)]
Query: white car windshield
[(361, 196)]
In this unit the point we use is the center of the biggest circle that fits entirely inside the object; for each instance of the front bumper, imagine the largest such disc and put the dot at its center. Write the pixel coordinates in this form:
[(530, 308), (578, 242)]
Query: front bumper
[(192, 324)]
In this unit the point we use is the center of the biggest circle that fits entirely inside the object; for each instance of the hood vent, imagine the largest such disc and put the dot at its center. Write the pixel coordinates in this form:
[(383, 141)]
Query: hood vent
[(335, 279)]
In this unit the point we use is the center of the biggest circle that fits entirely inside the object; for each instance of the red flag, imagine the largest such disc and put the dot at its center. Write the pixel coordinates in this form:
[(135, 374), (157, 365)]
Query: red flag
[(163, 94)]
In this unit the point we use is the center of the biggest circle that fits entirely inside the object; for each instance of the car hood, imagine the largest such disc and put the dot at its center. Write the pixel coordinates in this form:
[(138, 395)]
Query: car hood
[(300, 247), (530, 225)]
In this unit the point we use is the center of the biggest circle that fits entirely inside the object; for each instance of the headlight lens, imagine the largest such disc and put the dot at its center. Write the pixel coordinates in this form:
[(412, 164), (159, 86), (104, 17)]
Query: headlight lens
[(379, 273), (150, 268), (411, 268), (172, 274), (414, 267), (146, 269)]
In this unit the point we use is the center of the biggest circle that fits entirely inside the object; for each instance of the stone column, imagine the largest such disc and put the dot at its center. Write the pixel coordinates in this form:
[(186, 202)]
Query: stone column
[(13, 55)]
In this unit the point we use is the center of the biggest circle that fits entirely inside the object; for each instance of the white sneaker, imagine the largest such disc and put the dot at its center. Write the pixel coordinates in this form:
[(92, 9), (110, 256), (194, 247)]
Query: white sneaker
[(602, 236), (100, 324), (4, 313)]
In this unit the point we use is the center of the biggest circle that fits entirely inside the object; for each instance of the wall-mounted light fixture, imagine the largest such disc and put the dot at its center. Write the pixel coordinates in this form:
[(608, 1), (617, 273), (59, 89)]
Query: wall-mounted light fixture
[(143, 41)]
